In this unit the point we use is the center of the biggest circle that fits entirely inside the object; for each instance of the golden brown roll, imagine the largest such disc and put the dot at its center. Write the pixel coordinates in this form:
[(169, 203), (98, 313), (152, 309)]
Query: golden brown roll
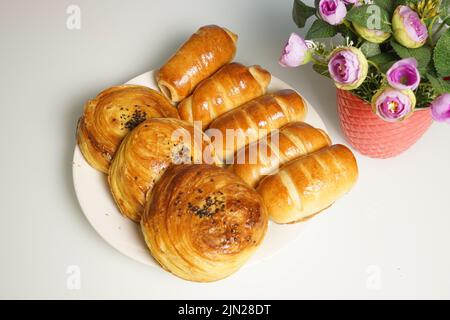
[(264, 156), (202, 223), (234, 84), (146, 153), (111, 115), (309, 184), (199, 57), (254, 120)]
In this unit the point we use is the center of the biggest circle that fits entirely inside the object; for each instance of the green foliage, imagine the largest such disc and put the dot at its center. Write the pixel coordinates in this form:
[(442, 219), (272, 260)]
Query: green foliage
[(322, 70), (301, 12), (405, 2), (445, 8), (387, 5), (441, 54), (370, 86), (433, 58), (363, 16), (422, 54), (320, 29), (445, 11), (370, 49), (347, 32), (425, 95), (439, 85), (384, 60)]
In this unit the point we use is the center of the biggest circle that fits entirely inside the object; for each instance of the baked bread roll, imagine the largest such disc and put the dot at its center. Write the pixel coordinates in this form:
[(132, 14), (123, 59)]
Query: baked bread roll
[(202, 223), (254, 120), (264, 156), (146, 153), (111, 115), (199, 57), (231, 86), (309, 184)]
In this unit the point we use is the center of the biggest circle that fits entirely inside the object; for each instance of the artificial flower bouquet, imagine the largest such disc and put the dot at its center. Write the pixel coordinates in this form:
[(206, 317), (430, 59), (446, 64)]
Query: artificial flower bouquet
[(394, 57)]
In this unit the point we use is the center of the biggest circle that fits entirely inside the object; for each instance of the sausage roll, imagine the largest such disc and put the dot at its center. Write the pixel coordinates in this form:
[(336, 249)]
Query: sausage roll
[(146, 153), (111, 115), (202, 223), (231, 86), (264, 156), (254, 120), (199, 57), (309, 184)]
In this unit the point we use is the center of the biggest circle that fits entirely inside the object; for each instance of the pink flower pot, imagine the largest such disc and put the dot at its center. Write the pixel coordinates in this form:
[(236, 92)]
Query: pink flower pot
[(372, 136)]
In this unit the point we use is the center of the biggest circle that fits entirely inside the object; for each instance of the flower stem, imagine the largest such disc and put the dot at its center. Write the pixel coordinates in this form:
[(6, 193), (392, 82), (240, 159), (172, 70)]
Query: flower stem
[(430, 31), (349, 25), (319, 62), (441, 26), (359, 42), (374, 65)]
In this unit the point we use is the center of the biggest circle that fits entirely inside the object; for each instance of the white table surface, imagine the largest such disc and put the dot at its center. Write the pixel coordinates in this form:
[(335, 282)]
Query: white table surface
[(389, 238)]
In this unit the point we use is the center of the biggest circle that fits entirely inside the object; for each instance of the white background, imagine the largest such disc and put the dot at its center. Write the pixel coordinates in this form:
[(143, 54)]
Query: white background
[(389, 238)]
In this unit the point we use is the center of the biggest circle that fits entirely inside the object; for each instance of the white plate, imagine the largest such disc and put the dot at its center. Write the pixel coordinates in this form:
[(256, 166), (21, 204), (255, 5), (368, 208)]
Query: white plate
[(98, 205)]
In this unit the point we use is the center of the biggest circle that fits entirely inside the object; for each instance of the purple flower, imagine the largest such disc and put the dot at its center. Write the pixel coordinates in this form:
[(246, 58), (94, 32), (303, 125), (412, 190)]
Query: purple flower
[(351, 2), (393, 105), (404, 74), (409, 30), (295, 52), (332, 11), (440, 108), (348, 67)]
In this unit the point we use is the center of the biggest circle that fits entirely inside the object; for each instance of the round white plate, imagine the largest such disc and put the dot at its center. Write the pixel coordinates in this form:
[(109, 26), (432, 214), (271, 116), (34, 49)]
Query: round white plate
[(98, 205)]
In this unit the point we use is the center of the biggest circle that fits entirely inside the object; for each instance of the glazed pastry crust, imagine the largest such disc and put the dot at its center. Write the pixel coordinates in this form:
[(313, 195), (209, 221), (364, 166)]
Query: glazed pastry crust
[(309, 184), (146, 153), (111, 115), (198, 58), (202, 223), (264, 156), (256, 118), (233, 85)]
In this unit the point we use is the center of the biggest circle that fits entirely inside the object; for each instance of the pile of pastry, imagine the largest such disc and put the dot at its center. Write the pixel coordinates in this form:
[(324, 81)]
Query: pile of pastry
[(202, 212)]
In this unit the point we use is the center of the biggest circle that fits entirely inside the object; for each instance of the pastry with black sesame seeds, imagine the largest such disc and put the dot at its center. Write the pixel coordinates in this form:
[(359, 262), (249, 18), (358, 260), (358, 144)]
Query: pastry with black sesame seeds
[(145, 154), (108, 118), (203, 236)]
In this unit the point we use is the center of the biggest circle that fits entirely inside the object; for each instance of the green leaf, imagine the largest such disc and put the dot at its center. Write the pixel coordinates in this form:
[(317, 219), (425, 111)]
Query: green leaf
[(387, 5), (321, 29), (370, 49), (422, 54), (440, 86), (347, 32), (365, 16), (445, 6), (384, 60), (441, 55), (444, 11), (322, 70), (301, 12), (405, 2), (431, 69)]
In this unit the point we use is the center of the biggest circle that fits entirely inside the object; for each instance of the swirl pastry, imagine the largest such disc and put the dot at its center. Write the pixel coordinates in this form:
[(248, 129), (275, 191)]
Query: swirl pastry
[(254, 120), (309, 184), (231, 86), (199, 57), (264, 156), (111, 115), (146, 153), (202, 222)]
